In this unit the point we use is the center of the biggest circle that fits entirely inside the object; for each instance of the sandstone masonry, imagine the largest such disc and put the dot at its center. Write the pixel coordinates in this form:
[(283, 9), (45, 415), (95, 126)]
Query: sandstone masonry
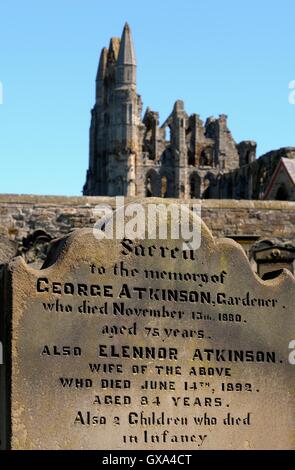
[(182, 158)]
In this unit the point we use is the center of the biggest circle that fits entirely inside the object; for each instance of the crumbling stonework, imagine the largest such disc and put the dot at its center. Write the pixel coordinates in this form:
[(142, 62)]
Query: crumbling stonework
[(251, 181), (182, 158)]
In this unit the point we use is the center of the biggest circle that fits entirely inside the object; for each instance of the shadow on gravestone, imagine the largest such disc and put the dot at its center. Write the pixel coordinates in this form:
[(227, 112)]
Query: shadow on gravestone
[(121, 344)]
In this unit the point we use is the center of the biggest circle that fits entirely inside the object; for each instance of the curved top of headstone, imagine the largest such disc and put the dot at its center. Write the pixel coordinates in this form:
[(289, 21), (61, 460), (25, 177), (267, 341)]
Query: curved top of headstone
[(81, 245)]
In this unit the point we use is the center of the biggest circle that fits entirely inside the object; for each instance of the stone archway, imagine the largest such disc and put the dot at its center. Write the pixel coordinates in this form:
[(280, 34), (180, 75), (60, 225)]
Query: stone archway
[(195, 186), (152, 184)]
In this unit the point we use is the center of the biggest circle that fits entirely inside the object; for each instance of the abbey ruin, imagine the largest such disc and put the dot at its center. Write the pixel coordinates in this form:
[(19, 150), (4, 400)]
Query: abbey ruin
[(248, 199), (132, 155)]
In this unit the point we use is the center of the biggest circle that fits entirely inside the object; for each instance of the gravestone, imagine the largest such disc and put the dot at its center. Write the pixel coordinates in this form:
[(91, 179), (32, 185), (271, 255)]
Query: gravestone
[(137, 344)]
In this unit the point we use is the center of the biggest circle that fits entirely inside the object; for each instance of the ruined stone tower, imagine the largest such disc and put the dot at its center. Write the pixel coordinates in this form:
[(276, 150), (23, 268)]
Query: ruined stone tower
[(132, 155), (115, 124)]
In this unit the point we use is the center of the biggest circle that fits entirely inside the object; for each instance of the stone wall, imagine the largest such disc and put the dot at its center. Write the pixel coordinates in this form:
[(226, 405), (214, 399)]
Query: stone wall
[(29, 222)]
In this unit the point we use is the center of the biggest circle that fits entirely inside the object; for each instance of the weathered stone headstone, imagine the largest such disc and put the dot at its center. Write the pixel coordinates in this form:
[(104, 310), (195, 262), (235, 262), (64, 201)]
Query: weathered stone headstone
[(140, 345)]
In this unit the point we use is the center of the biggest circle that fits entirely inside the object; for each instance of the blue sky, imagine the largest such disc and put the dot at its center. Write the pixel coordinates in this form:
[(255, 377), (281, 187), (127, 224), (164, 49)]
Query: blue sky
[(229, 57)]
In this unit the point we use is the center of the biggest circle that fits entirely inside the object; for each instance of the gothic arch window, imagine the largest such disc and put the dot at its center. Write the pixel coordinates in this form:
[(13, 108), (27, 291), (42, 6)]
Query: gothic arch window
[(248, 157), (191, 157), (230, 188), (206, 157), (148, 186), (166, 157), (242, 190), (119, 186), (209, 182), (195, 186), (222, 187), (152, 184), (168, 133), (206, 190), (129, 113), (147, 148), (249, 183)]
